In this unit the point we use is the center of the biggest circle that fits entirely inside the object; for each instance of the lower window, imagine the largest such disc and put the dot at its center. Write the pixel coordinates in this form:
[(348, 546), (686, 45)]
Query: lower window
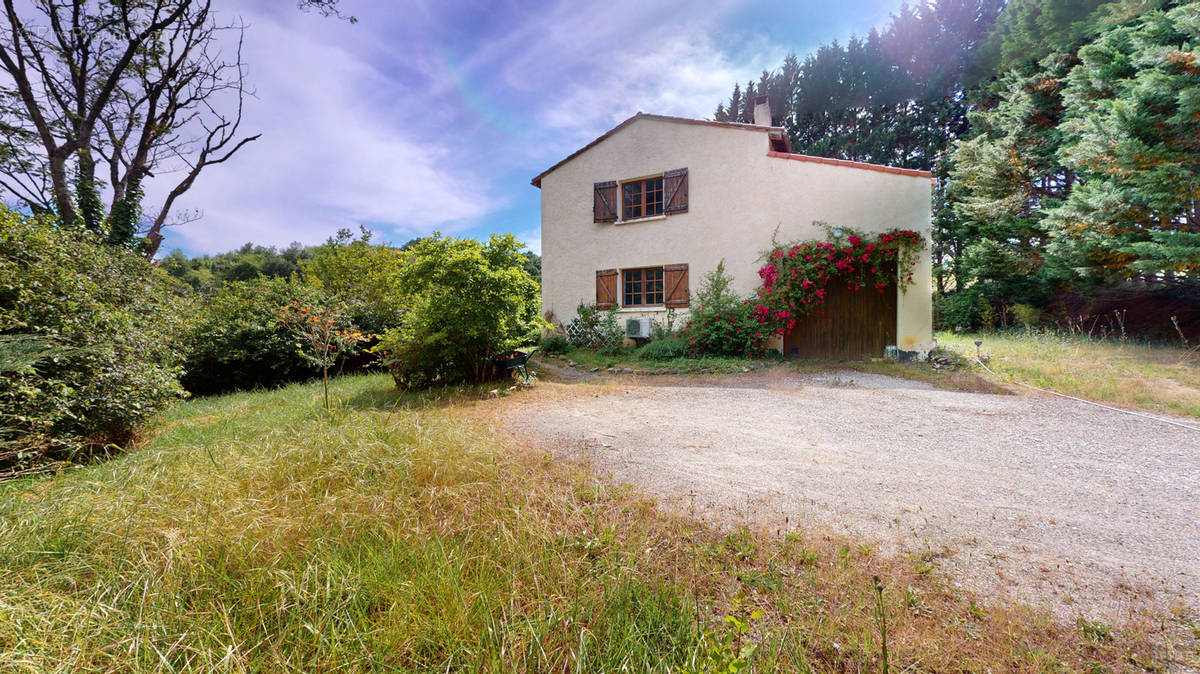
[(642, 287)]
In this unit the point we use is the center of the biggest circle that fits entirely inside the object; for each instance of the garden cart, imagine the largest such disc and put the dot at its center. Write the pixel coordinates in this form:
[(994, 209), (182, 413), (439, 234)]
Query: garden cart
[(515, 362)]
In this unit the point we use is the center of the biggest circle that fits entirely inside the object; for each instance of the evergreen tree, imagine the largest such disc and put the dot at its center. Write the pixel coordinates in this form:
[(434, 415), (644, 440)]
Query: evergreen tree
[(1029, 30), (748, 104), (1132, 114), (734, 109), (1005, 177)]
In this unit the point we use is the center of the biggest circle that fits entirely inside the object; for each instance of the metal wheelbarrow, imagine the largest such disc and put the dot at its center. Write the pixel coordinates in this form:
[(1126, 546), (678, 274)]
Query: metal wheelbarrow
[(515, 362)]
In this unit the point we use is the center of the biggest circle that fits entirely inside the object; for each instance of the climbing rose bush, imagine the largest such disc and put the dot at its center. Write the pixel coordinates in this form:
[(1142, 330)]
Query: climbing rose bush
[(796, 277)]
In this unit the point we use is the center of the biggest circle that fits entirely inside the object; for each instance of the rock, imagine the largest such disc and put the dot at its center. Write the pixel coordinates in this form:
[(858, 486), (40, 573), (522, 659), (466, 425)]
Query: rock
[(745, 369), (594, 369), (705, 370), (494, 393), (571, 363)]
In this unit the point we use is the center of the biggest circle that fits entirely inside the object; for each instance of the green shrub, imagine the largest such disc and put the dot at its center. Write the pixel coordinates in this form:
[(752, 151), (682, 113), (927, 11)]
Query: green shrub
[(362, 275), (554, 345), (238, 342), (464, 302), (666, 348), (721, 323), (1027, 315), (91, 346), (959, 310)]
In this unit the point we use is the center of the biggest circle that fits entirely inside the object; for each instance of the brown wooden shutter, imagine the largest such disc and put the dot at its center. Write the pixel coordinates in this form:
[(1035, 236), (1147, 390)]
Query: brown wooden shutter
[(675, 191), (675, 282), (604, 202), (606, 289)]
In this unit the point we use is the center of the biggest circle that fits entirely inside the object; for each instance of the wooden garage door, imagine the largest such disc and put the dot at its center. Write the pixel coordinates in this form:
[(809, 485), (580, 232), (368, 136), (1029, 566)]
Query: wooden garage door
[(856, 325)]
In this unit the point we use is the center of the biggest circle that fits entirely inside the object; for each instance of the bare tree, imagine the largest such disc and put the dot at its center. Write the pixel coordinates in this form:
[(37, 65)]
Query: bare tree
[(142, 86), (326, 8)]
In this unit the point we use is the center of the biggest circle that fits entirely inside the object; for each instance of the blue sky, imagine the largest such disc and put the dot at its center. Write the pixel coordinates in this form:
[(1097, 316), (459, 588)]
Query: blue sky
[(435, 115)]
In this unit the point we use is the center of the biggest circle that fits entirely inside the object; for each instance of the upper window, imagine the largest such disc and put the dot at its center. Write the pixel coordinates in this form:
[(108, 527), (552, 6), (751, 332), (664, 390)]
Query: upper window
[(666, 194), (642, 198), (642, 287)]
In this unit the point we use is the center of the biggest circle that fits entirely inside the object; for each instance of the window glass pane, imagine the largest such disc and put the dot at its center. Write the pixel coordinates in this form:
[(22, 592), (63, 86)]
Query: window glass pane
[(632, 200), (633, 294), (654, 196)]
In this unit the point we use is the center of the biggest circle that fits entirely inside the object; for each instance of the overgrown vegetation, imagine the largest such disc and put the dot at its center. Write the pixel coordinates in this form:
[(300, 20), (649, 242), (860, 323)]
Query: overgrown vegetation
[(94, 340), (91, 343), (721, 323), (1124, 372), (255, 532), (464, 303), (237, 341)]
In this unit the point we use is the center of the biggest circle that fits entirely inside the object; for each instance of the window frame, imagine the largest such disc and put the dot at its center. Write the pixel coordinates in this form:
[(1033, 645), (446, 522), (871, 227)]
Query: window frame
[(642, 293), (642, 183)]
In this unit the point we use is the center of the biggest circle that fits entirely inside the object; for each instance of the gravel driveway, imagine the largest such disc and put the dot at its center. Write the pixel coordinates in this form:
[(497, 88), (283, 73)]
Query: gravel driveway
[(1068, 506)]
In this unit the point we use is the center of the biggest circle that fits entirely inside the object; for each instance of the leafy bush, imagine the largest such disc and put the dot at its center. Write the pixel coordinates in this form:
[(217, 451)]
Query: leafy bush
[(1026, 315), (666, 348), (238, 341), (722, 324), (554, 345), (958, 310), (363, 275), (464, 302), (91, 335)]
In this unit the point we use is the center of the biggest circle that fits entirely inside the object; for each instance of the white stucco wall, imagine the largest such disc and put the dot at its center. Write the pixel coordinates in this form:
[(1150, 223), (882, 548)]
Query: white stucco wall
[(739, 197)]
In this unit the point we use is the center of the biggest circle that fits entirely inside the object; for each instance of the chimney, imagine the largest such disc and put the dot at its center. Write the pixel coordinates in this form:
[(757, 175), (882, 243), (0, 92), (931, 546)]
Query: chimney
[(762, 111)]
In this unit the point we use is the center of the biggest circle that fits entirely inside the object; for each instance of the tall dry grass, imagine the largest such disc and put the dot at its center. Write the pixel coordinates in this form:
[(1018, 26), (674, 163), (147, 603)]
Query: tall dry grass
[(255, 532), (1156, 377)]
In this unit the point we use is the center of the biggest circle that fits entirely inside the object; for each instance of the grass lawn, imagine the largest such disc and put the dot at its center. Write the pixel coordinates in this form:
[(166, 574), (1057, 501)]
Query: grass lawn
[(1157, 378), (254, 532)]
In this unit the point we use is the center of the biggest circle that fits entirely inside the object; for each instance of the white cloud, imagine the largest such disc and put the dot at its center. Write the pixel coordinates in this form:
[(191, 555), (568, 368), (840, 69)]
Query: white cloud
[(371, 124), (683, 75), (333, 153), (532, 238)]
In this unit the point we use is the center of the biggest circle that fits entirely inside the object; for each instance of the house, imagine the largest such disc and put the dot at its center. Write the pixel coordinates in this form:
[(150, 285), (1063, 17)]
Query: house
[(634, 219)]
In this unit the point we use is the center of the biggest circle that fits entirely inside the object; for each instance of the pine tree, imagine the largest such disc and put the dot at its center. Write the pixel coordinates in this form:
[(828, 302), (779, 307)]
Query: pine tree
[(1132, 112), (1008, 174), (1028, 30)]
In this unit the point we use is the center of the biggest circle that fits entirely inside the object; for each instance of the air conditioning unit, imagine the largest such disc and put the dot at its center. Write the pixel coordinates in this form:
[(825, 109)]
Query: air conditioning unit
[(637, 328)]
